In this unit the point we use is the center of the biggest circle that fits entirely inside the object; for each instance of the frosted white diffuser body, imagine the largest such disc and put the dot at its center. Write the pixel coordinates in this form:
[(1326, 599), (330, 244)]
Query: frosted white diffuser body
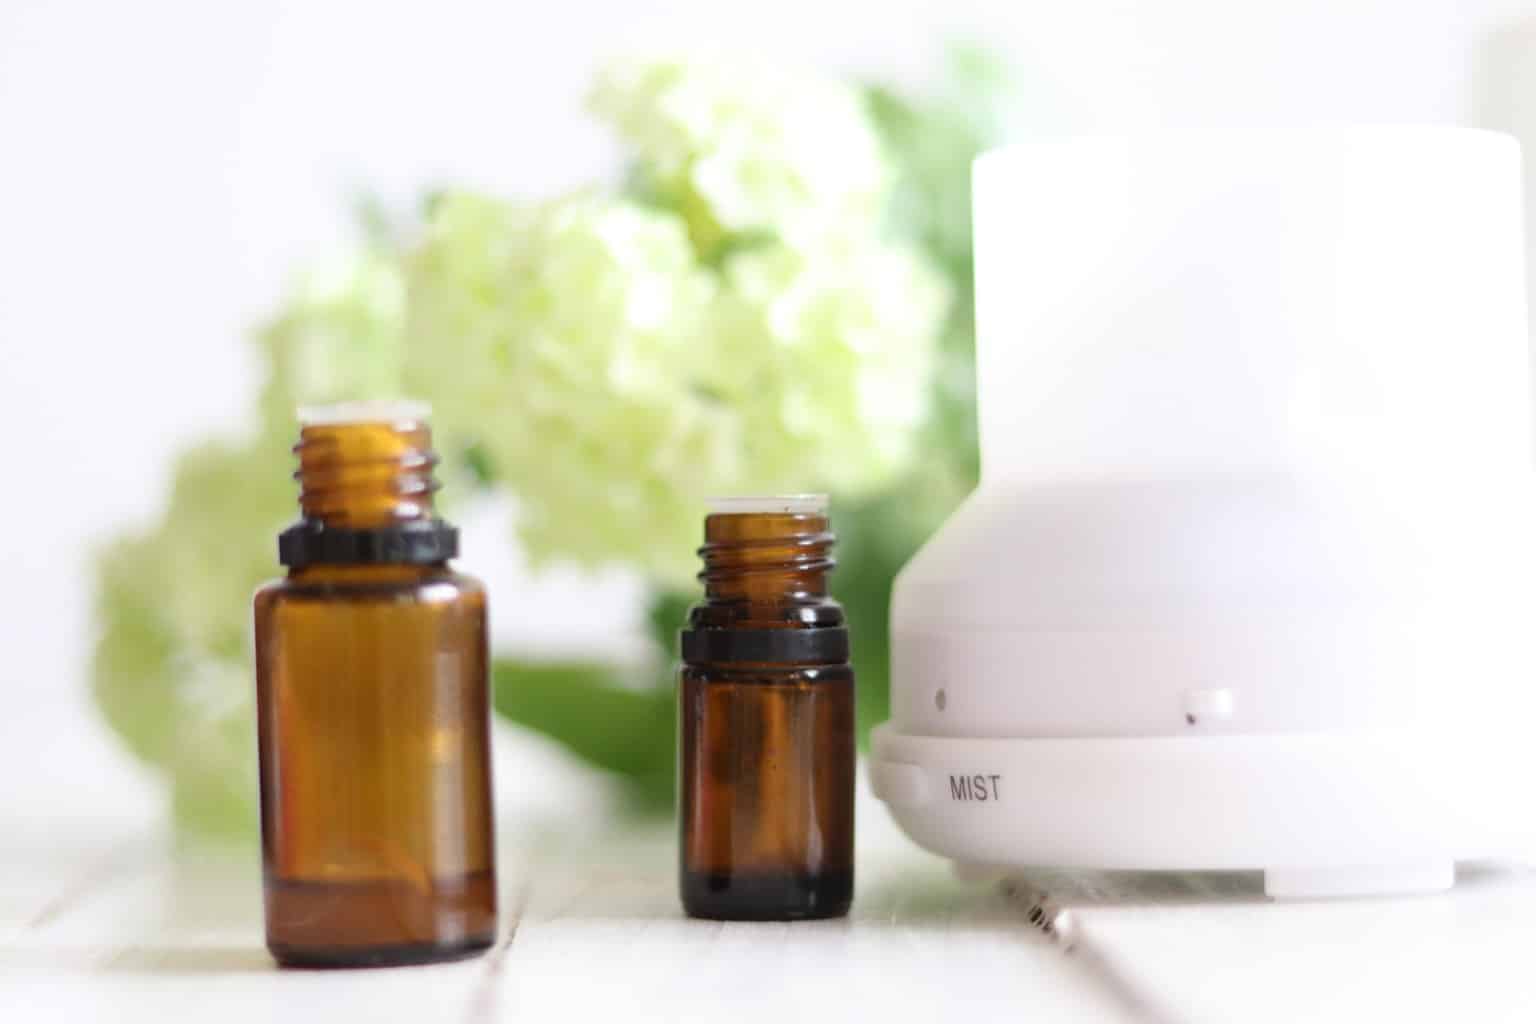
[(1249, 580)]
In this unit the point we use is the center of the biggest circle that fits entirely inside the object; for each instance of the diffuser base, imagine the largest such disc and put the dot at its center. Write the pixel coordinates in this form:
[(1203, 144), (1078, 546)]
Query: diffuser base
[(1321, 814), (1376, 880)]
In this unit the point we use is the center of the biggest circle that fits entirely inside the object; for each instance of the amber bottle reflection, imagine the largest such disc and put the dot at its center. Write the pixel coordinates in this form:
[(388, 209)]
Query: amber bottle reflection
[(767, 721), (373, 710)]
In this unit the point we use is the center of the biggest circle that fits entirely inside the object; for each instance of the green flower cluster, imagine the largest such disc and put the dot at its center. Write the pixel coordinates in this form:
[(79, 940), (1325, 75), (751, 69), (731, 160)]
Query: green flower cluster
[(740, 147), (735, 318), (557, 342), (340, 336)]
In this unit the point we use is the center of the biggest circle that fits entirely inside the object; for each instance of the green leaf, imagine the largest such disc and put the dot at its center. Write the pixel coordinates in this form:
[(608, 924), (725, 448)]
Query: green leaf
[(728, 245), (666, 615), (588, 708), (477, 461)]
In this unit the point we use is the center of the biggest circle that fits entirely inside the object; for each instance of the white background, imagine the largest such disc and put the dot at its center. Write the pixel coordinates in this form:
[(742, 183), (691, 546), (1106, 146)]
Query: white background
[(165, 165)]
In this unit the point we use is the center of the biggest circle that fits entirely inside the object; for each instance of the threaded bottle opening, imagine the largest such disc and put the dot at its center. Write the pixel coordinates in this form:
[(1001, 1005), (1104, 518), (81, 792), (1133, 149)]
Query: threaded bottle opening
[(767, 549), (365, 465)]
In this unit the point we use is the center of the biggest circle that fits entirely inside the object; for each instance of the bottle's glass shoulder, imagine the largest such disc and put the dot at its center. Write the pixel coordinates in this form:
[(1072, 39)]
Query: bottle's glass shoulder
[(394, 584)]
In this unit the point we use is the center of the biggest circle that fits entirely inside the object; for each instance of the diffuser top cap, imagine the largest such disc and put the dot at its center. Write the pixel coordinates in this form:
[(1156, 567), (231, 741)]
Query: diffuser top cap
[(1158, 306)]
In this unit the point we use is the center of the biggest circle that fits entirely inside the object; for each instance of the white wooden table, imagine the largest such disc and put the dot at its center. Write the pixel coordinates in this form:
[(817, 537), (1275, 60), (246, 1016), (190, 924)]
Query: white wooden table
[(103, 916)]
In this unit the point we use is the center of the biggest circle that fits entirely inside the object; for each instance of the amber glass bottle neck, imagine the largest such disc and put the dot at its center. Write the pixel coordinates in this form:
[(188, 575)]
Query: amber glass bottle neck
[(366, 475), (766, 559)]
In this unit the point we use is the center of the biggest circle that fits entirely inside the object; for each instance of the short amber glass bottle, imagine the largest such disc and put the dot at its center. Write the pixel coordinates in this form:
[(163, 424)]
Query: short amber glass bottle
[(373, 709), (767, 720)]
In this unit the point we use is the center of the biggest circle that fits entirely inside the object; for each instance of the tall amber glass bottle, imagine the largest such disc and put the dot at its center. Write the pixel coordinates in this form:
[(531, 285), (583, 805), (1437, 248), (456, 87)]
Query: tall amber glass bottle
[(373, 709), (767, 720)]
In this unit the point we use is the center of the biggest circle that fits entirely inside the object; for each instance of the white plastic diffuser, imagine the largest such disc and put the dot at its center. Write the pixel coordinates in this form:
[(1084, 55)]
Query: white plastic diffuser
[(1249, 579)]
